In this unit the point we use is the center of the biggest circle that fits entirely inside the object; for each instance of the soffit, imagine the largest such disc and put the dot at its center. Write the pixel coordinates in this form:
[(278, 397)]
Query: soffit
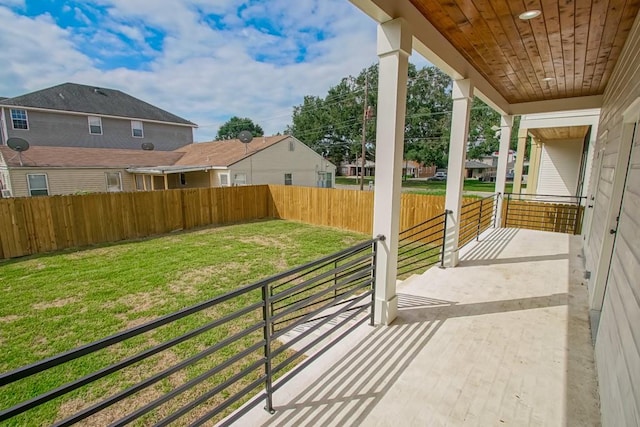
[(560, 133), (577, 43)]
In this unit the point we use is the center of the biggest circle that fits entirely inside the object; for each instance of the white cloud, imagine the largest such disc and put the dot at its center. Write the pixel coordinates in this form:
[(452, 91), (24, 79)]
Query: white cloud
[(203, 74)]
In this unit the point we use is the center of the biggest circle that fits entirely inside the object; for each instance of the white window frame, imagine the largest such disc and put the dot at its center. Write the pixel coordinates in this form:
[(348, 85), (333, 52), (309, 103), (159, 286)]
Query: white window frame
[(89, 123), (134, 128), (226, 176), (26, 118), (237, 181), (182, 179), (290, 178), (106, 177), (46, 181)]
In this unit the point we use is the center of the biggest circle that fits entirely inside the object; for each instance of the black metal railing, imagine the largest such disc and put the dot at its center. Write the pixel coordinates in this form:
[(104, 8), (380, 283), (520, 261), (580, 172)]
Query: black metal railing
[(242, 330), (476, 217), (561, 214), (422, 245)]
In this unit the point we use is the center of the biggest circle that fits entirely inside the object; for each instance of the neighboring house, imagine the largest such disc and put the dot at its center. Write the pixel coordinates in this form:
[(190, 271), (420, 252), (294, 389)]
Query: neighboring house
[(478, 170), (280, 159), (410, 168), (68, 170), (74, 115), (353, 169)]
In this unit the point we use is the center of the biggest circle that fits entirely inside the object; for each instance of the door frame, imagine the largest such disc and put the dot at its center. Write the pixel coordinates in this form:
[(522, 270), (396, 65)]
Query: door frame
[(630, 117)]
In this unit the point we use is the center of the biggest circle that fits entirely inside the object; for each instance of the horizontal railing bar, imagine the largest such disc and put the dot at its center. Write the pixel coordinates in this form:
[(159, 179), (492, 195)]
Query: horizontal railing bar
[(423, 223), (418, 244), (436, 249), (236, 415), (353, 268), (310, 315), (543, 195), (217, 389), (289, 291), (427, 236), (542, 209), (227, 402), (320, 352), (365, 283), (358, 275), (542, 221), (66, 388), (416, 267), (302, 274), (186, 386), (26, 371), (319, 324)]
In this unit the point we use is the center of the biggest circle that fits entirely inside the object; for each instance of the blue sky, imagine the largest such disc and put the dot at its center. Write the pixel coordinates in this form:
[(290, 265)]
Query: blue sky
[(205, 60)]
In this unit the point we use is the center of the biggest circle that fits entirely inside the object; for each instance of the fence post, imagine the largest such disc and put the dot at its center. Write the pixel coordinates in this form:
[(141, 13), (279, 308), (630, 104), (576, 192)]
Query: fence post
[(444, 237), (266, 318)]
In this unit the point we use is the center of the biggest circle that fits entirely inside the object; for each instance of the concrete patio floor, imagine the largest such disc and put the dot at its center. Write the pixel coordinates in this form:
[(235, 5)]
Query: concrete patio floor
[(502, 339)]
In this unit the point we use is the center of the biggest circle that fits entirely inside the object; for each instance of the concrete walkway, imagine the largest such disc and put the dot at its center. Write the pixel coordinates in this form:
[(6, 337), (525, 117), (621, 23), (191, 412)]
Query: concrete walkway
[(501, 340)]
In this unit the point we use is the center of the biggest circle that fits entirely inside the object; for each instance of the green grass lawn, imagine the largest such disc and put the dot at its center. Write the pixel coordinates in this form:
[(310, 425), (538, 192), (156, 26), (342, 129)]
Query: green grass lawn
[(431, 187), (54, 302)]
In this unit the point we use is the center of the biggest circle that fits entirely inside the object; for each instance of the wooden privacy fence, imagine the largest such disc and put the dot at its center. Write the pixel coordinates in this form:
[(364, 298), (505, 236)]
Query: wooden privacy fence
[(518, 212), (41, 224), (348, 209)]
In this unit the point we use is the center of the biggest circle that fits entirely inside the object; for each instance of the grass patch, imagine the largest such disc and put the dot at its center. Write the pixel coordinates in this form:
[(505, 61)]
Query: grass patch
[(55, 302)]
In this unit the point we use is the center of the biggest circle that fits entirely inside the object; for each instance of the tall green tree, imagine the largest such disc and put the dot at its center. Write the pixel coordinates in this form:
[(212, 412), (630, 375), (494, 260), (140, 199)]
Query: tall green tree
[(232, 127)]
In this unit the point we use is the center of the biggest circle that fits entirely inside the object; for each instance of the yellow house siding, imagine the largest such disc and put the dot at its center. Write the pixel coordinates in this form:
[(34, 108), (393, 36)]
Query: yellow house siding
[(68, 180), (269, 166), (618, 337)]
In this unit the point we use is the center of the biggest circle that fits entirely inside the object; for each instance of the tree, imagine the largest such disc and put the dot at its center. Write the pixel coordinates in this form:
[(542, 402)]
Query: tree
[(232, 127)]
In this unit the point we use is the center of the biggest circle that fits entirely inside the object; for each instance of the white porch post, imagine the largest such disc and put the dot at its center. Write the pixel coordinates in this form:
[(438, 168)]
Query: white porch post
[(394, 48), (462, 96), (523, 134), (506, 123)]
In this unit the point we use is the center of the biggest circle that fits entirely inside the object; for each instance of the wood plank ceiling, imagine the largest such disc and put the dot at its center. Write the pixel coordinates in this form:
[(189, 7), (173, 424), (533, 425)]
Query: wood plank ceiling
[(560, 133), (575, 43)]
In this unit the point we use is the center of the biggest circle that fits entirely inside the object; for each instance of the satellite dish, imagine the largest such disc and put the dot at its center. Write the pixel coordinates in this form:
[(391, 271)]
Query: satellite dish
[(147, 146), (18, 144), (245, 136)]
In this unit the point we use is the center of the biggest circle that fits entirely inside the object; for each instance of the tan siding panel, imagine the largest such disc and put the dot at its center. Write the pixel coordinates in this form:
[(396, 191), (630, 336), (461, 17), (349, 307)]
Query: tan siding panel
[(618, 339)]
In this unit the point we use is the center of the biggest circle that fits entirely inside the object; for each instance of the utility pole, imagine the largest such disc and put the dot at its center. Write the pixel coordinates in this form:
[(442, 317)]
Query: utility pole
[(365, 115)]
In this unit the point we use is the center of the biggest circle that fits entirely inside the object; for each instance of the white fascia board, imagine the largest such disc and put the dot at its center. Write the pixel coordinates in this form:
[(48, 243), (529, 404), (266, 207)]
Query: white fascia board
[(106, 116), (558, 105), (428, 42), (589, 117)]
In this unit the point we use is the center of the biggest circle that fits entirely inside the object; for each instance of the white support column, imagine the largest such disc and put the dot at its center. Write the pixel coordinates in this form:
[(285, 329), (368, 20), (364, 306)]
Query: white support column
[(506, 123), (523, 134), (462, 96), (394, 48)]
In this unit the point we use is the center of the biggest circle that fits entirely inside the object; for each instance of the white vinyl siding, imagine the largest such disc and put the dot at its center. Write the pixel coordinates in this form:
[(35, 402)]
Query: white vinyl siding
[(559, 168), (618, 337), (68, 181)]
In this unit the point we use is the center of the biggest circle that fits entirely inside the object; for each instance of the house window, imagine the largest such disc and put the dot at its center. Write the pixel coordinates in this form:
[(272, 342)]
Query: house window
[(114, 181), (19, 119), (224, 180), (137, 131), (183, 179), (95, 125), (292, 145), (240, 179), (38, 184), (139, 182), (288, 179)]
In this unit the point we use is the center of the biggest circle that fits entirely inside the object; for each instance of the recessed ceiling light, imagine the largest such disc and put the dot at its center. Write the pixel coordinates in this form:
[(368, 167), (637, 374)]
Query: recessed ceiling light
[(548, 79), (529, 14)]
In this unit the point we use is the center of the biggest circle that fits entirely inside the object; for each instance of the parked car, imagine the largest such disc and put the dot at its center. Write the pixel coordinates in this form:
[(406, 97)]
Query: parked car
[(439, 176)]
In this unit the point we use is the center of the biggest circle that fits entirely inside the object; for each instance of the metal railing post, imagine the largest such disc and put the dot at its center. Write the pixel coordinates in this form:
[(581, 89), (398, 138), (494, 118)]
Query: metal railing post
[(266, 318), (374, 260), (479, 221), (444, 237), (496, 204), (506, 211)]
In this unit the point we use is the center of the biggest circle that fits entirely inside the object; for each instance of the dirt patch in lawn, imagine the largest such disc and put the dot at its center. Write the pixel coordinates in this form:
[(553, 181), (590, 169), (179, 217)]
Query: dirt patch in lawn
[(56, 303), (142, 301), (10, 318), (269, 242), (188, 280)]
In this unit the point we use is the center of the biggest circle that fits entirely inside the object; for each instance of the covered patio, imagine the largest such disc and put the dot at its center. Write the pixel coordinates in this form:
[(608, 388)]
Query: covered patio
[(501, 339)]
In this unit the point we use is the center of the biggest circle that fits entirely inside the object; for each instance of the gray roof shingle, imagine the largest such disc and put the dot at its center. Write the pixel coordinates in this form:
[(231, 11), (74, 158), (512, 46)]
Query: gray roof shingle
[(93, 100)]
